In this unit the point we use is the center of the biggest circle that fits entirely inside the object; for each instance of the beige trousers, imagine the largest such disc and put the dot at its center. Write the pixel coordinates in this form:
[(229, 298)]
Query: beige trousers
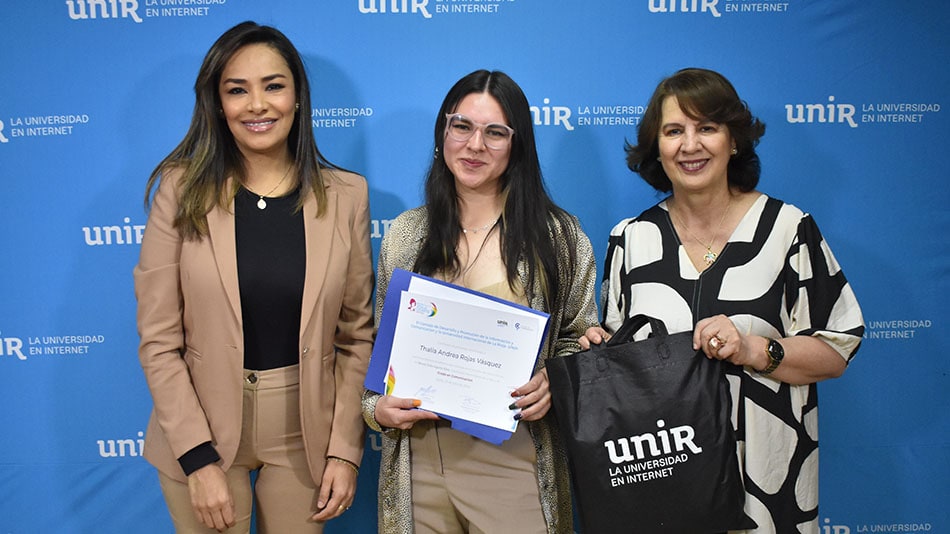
[(464, 484), (272, 445)]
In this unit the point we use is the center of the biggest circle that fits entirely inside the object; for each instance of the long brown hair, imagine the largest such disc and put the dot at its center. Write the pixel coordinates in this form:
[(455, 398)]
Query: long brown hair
[(208, 156), (530, 216)]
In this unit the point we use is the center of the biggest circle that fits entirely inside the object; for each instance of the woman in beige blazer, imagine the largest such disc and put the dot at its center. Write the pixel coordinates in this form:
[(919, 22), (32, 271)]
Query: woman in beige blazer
[(253, 290)]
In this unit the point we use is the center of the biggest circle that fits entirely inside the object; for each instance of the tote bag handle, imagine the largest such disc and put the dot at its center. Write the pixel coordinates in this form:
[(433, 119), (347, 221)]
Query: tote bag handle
[(632, 325)]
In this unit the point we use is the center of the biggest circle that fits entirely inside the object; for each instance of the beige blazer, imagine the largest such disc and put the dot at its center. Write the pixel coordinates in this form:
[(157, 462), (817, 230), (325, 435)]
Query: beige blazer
[(192, 344)]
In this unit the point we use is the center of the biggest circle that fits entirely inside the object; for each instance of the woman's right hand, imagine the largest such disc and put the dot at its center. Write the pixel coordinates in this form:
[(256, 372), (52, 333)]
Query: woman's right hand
[(595, 335), (397, 412), (211, 497)]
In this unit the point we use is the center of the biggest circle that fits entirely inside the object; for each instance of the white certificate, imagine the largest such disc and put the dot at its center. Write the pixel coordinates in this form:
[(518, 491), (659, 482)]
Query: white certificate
[(462, 354)]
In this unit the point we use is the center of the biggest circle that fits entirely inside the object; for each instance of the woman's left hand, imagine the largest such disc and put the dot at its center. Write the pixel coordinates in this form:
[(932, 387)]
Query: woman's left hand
[(337, 490), (535, 397), (719, 339)]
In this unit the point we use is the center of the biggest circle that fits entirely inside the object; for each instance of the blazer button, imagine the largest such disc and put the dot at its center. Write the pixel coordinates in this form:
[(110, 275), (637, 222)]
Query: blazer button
[(251, 378)]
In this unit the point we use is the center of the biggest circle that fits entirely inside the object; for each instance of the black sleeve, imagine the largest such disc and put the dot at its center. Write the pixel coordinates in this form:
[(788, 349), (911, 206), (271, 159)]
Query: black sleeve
[(198, 457)]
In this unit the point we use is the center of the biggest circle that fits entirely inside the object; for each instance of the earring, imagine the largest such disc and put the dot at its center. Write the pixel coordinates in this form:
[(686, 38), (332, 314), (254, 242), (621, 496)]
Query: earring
[(658, 159), (297, 106), (436, 154), (734, 151)]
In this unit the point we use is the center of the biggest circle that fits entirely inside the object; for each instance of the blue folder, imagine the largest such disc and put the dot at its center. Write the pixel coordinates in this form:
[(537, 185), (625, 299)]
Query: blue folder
[(379, 361)]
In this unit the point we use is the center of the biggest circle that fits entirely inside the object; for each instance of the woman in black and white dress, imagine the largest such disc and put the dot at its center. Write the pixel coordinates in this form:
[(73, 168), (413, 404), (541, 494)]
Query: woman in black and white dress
[(750, 275)]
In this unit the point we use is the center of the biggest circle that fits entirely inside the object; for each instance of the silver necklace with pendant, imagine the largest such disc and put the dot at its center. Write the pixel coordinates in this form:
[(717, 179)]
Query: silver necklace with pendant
[(488, 226)]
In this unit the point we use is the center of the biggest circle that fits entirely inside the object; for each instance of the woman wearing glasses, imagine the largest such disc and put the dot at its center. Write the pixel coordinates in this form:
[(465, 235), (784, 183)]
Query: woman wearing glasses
[(488, 224)]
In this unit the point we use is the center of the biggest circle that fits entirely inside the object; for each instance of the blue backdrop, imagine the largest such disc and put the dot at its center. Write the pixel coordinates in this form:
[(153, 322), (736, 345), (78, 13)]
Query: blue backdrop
[(93, 93)]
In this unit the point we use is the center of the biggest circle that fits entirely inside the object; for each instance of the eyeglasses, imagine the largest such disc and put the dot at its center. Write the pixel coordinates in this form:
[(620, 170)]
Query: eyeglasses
[(461, 128)]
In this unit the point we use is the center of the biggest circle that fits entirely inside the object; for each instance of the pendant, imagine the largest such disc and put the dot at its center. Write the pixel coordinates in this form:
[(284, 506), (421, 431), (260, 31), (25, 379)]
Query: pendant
[(709, 257), (261, 204)]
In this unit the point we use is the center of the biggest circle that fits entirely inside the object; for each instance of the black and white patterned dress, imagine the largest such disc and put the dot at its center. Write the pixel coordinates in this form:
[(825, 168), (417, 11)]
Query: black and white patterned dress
[(776, 277)]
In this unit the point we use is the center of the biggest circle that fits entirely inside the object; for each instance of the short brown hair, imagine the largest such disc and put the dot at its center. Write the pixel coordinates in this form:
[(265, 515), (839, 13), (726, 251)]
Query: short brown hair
[(702, 95)]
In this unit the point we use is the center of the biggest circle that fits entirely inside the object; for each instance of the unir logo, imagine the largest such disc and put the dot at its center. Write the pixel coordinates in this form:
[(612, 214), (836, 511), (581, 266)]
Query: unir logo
[(12, 346), (127, 234), (395, 6), (120, 448), (547, 115), (657, 444), (685, 6), (827, 528), (379, 227), (107, 9), (821, 113)]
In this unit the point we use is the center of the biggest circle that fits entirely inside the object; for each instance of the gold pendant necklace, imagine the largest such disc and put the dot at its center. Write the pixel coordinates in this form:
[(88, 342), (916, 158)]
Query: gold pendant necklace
[(709, 257), (261, 203)]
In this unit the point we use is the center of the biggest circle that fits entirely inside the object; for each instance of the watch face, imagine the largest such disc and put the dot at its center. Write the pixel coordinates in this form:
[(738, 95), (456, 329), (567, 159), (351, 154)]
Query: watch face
[(776, 351)]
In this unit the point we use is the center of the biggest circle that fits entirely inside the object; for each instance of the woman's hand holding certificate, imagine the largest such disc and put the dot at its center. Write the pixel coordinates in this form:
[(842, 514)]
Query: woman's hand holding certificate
[(398, 412), (463, 355), (533, 398)]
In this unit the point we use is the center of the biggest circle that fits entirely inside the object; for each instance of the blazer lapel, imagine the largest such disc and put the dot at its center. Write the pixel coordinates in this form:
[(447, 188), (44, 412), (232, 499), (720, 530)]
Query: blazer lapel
[(224, 247), (318, 233)]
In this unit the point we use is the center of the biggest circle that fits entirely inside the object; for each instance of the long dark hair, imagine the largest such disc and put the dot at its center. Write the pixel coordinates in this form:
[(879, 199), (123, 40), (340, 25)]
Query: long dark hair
[(529, 214), (701, 94), (208, 155)]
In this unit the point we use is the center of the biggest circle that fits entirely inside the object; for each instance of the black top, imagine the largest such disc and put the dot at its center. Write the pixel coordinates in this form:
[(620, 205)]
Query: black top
[(271, 262)]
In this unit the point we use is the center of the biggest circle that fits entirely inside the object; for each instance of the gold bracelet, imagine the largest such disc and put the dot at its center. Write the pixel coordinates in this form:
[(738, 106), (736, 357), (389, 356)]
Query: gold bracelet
[(346, 462)]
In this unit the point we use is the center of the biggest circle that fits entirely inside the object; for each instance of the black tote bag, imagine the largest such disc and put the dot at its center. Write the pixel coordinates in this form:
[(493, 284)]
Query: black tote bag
[(647, 431)]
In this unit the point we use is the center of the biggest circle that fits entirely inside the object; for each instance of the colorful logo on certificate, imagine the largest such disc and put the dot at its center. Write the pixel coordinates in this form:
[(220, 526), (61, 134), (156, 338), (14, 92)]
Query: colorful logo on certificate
[(423, 308), (390, 381)]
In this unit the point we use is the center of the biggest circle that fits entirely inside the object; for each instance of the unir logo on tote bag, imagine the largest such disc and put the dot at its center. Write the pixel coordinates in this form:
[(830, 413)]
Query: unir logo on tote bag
[(651, 455)]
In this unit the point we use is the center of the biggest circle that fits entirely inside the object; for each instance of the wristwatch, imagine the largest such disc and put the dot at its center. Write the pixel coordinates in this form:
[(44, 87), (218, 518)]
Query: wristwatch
[(776, 354)]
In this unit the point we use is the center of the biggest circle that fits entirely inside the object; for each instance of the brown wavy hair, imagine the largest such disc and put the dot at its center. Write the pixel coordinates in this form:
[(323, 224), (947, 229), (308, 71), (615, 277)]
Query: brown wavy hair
[(702, 95)]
